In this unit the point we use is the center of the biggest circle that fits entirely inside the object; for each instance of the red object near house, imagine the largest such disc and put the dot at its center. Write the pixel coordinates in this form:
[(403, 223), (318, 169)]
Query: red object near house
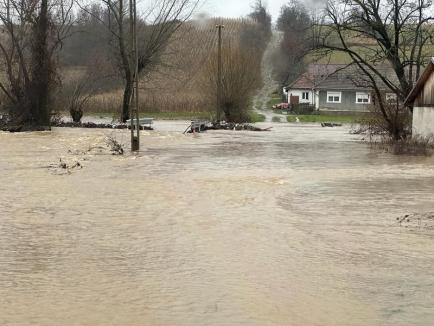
[(281, 106)]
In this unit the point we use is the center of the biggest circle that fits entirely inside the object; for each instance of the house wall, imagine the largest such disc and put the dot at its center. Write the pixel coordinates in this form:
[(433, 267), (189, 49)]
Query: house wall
[(299, 93), (423, 111), (423, 121), (426, 95), (348, 102)]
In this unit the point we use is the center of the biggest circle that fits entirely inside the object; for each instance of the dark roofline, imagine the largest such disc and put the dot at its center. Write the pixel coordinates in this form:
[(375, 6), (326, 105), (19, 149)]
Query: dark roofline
[(356, 89), (335, 88), (420, 82), (300, 88)]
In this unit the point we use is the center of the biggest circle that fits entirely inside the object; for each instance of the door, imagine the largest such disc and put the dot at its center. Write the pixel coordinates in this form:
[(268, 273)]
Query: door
[(294, 100)]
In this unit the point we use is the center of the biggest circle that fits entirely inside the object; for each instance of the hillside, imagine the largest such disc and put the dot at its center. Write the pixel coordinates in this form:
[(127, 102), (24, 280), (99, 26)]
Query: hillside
[(176, 83)]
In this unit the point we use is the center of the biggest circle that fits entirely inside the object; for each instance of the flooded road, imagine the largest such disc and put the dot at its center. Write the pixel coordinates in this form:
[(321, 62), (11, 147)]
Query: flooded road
[(292, 227)]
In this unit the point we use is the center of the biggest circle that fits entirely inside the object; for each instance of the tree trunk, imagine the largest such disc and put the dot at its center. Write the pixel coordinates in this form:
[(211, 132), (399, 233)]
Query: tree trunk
[(41, 71), (124, 56), (126, 101)]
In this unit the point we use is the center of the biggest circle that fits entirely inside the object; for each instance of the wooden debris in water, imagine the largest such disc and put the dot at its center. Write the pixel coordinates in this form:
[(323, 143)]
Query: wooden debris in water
[(423, 221)]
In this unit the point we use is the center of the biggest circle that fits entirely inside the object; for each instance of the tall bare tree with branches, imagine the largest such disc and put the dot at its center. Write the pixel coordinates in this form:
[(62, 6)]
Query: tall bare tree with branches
[(158, 23), (374, 33), (32, 33)]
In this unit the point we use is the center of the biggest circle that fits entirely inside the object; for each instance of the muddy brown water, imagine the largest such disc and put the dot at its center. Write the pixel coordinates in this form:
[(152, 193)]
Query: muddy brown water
[(291, 227)]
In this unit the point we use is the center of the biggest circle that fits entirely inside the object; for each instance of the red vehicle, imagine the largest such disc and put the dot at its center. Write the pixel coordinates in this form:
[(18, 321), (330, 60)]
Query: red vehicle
[(281, 106)]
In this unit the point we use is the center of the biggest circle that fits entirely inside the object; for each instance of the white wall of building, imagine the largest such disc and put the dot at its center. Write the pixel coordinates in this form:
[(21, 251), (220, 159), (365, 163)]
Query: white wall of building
[(423, 121), (299, 93), (316, 100)]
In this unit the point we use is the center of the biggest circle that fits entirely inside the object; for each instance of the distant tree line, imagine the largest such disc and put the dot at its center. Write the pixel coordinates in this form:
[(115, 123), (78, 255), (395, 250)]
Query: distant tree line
[(294, 25)]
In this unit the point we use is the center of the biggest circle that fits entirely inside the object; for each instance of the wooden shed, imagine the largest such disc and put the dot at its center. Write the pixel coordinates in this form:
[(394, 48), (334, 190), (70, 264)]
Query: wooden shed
[(422, 99)]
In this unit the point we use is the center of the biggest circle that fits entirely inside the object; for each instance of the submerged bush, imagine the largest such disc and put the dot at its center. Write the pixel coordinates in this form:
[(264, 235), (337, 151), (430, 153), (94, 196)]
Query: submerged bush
[(417, 145), (398, 128)]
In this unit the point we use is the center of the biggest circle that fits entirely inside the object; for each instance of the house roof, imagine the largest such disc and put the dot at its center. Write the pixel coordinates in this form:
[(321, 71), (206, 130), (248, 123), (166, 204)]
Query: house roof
[(420, 83), (314, 75), (336, 77), (345, 78), (303, 82)]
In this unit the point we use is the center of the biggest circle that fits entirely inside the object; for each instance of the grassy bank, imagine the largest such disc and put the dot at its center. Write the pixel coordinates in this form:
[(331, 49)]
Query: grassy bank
[(274, 99), (156, 115), (336, 118), (177, 115), (254, 117)]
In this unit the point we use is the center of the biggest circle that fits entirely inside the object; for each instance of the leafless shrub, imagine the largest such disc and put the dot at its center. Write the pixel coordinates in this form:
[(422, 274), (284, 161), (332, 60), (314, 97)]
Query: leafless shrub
[(79, 86), (83, 89), (241, 76), (115, 147), (374, 123), (416, 146)]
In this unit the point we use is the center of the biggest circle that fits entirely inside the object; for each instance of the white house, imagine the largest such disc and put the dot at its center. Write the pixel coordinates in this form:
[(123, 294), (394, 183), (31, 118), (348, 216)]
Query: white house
[(422, 100)]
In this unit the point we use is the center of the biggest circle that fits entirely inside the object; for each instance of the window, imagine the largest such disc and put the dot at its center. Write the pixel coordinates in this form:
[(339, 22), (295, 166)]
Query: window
[(334, 97), (363, 98), (305, 95)]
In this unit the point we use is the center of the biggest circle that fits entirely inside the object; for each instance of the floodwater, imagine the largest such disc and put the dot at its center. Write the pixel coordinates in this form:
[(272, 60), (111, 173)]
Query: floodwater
[(291, 227)]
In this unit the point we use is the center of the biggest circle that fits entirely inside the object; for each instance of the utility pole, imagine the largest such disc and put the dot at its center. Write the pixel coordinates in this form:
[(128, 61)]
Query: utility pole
[(134, 114), (219, 73)]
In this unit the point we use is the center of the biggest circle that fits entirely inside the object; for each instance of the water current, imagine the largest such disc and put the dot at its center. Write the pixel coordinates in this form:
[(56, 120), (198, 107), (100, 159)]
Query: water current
[(296, 226)]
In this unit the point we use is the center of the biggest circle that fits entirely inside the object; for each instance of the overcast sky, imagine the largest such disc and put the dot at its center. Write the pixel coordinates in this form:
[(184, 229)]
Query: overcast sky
[(240, 8)]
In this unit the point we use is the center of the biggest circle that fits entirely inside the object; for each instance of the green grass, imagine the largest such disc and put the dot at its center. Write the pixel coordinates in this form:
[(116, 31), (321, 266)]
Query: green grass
[(274, 99), (276, 119), (253, 116), (256, 117), (177, 115), (160, 115), (336, 118)]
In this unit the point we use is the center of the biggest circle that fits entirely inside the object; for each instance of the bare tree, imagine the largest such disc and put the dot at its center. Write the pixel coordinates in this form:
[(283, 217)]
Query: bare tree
[(263, 27), (158, 24), (294, 23), (241, 76), (32, 33), (374, 33)]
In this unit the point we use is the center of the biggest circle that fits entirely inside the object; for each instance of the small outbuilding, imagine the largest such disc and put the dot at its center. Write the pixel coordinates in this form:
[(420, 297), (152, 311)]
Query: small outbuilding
[(422, 100)]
